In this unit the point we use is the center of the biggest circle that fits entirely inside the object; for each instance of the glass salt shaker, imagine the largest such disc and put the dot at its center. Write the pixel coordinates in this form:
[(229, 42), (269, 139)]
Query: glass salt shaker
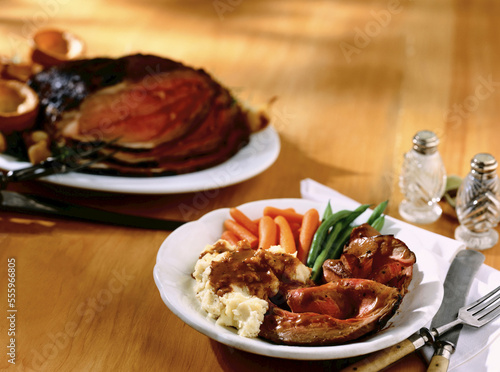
[(478, 204), (422, 180)]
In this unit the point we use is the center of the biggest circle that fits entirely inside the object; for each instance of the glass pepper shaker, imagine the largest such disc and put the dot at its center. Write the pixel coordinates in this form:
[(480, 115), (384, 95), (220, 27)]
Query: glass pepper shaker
[(422, 180), (478, 204)]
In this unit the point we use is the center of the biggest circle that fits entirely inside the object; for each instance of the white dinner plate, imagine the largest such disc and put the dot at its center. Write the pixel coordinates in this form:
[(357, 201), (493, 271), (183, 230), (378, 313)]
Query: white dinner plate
[(260, 153), (180, 251)]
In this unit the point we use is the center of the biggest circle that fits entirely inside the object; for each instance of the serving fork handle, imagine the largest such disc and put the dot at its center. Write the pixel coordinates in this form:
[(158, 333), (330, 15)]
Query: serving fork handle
[(384, 358), (45, 168), (57, 165)]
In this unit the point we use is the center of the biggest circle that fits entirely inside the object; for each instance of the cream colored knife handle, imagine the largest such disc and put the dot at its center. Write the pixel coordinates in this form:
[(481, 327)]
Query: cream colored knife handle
[(438, 363), (383, 358), (441, 358)]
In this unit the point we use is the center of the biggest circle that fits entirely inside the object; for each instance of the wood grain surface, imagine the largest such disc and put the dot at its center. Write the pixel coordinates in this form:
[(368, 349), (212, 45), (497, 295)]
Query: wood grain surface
[(354, 81)]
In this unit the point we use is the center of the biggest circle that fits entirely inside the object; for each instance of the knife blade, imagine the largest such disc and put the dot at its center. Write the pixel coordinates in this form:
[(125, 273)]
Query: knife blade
[(456, 287), (12, 201), (457, 283)]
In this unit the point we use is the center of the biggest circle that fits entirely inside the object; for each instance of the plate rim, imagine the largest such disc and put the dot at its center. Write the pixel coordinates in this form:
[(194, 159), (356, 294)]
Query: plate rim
[(258, 155), (285, 351)]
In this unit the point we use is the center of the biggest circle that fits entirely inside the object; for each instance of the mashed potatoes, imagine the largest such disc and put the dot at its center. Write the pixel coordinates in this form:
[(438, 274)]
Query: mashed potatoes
[(234, 284)]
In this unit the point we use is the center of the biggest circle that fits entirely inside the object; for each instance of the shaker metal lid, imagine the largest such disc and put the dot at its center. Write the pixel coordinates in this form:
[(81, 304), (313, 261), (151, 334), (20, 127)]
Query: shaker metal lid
[(425, 142), (483, 163)]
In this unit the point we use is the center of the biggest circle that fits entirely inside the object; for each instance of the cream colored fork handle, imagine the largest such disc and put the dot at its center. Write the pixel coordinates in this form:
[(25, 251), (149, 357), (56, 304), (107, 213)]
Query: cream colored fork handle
[(380, 360), (438, 363)]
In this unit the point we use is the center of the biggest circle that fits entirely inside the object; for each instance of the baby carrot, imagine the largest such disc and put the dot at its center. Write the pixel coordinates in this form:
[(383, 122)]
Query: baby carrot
[(230, 237), (267, 232), (286, 238), (309, 226), (244, 221), (241, 232), (289, 215), (294, 226)]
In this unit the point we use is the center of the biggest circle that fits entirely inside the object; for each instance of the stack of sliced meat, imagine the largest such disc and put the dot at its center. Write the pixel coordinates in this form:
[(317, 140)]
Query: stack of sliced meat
[(159, 116)]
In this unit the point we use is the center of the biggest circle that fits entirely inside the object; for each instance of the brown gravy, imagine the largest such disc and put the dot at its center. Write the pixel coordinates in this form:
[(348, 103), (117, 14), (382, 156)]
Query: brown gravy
[(261, 271)]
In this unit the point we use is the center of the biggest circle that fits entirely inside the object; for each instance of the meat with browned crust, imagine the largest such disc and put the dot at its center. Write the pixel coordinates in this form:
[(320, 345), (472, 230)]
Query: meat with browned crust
[(368, 255), (162, 116), (331, 314)]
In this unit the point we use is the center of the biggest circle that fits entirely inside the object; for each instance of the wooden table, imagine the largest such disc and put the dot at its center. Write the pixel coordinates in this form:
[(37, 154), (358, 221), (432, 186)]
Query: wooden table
[(355, 80)]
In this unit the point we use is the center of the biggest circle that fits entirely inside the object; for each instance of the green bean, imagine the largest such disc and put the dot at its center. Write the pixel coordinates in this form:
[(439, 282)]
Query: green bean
[(378, 224), (355, 214), (345, 224), (321, 234), (328, 211), (333, 243), (340, 243), (318, 264), (377, 212), (344, 238), (332, 237)]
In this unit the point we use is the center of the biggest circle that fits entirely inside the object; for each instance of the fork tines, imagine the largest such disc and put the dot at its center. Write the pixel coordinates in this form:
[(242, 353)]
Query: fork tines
[(487, 307)]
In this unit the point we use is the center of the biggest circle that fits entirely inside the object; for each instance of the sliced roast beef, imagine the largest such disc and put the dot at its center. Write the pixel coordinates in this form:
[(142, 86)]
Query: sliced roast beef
[(333, 313), (381, 258), (161, 116)]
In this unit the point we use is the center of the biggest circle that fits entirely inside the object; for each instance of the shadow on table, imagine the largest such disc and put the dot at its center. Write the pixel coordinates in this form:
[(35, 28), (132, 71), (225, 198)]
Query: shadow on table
[(231, 359)]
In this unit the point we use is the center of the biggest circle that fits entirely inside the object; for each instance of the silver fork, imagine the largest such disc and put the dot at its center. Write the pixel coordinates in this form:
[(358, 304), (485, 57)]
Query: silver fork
[(475, 314), (62, 164)]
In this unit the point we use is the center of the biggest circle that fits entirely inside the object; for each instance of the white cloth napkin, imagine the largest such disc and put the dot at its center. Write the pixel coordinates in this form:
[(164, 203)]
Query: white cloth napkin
[(478, 349)]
